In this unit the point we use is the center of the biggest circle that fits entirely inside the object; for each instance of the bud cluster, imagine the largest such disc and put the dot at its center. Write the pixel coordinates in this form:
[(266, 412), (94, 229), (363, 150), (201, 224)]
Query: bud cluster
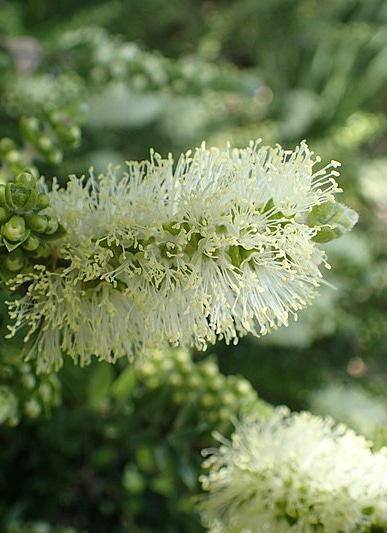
[(36, 91), (187, 400), (106, 59), (13, 160), (48, 136), (25, 231), (44, 139), (216, 398), (22, 392)]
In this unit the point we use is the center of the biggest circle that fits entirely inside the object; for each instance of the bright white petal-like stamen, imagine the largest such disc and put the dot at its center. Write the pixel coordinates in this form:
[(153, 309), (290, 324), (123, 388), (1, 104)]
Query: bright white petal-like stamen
[(216, 248)]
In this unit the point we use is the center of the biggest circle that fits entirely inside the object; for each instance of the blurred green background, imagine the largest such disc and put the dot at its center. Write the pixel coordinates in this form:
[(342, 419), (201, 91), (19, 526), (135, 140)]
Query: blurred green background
[(118, 449)]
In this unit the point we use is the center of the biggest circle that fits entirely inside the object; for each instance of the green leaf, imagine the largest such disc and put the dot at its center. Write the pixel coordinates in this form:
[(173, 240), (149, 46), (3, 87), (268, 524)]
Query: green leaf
[(335, 220), (99, 384), (123, 386)]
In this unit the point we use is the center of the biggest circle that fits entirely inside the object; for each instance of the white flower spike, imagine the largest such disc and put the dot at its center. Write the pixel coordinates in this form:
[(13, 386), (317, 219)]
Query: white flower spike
[(295, 473), (215, 248)]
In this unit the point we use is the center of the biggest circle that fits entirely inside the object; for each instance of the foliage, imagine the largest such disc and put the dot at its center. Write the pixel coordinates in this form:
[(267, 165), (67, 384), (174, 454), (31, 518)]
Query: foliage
[(135, 444)]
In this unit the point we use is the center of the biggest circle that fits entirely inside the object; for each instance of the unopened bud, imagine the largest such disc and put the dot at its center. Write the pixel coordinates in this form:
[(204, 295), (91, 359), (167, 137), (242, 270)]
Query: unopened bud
[(15, 229), (37, 223), (4, 215), (68, 135), (14, 261), (26, 179), (55, 156), (43, 201), (30, 128), (32, 243), (12, 157), (6, 145), (32, 408), (2, 195), (56, 117), (20, 197), (52, 226), (45, 143)]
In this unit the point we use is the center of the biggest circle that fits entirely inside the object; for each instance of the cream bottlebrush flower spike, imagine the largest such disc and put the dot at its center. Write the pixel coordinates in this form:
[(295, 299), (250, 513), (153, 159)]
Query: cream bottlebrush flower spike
[(220, 246), (294, 473)]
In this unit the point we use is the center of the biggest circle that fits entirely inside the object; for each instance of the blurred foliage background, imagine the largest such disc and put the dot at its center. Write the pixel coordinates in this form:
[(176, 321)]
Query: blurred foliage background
[(118, 448)]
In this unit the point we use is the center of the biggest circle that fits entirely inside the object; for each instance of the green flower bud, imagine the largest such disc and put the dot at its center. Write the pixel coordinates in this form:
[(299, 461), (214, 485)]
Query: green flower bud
[(31, 243), (20, 197), (3, 201), (54, 157), (6, 145), (8, 406), (56, 117), (26, 179), (4, 215), (15, 229), (68, 135), (32, 408), (43, 201), (45, 143), (37, 223), (28, 381), (52, 226), (43, 252), (30, 128), (14, 261), (335, 219), (13, 157)]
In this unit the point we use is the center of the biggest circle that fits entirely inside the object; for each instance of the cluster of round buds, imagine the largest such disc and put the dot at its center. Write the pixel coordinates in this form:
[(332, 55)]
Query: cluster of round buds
[(25, 231), (111, 59), (13, 160), (215, 399), (23, 393), (49, 136)]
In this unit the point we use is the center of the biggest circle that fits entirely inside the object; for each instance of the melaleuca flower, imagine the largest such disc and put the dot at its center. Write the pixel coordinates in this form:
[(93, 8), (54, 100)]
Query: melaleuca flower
[(294, 472), (361, 410), (220, 246)]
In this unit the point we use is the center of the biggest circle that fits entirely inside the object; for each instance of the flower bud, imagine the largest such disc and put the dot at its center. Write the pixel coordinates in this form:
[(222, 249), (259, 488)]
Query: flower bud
[(32, 408), (31, 243), (26, 179), (45, 143), (13, 157), (6, 145), (43, 201), (37, 223), (56, 117), (30, 128), (52, 226), (15, 229), (14, 261), (2, 195), (68, 135), (54, 157), (20, 197), (4, 215)]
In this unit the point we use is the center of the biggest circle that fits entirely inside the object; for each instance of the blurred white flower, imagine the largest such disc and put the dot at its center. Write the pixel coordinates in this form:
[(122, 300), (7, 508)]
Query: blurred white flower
[(215, 248), (294, 472), (353, 405)]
